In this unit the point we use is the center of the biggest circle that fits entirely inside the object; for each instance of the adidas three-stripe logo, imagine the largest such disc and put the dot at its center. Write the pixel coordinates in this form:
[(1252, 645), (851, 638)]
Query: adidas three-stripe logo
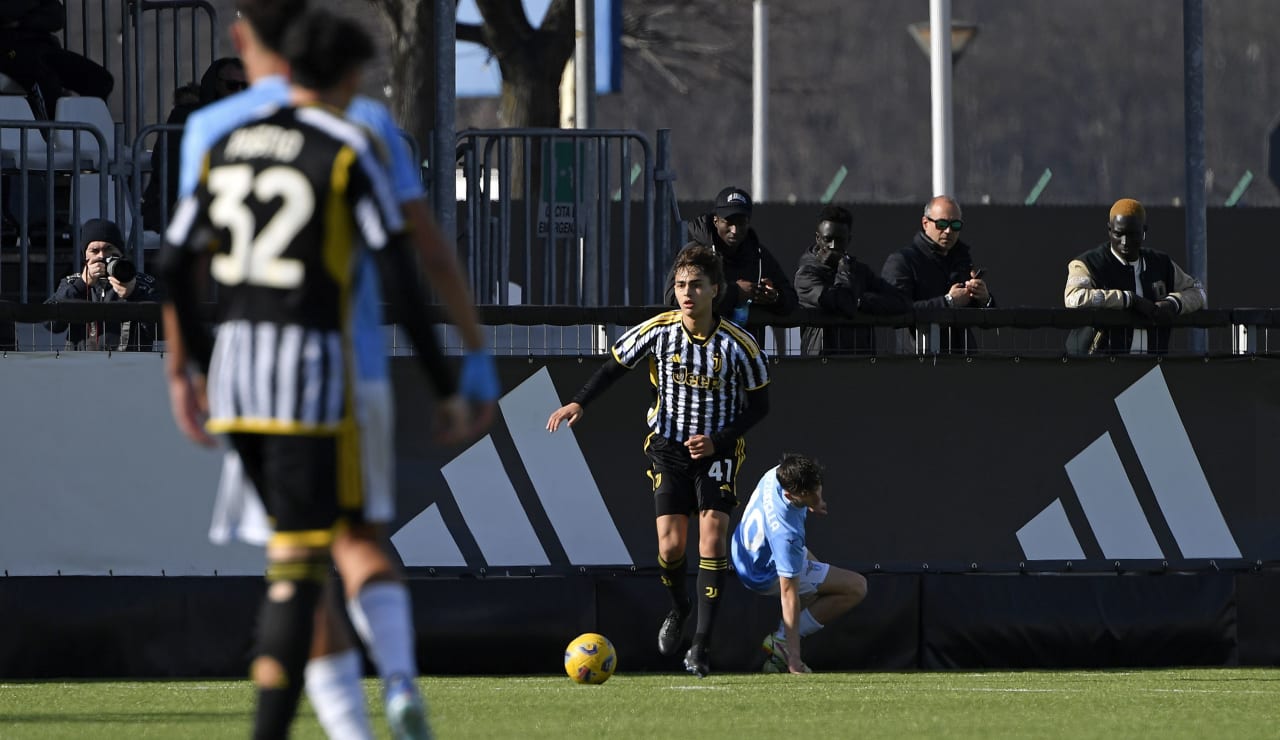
[(1107, 497), (491, 509)]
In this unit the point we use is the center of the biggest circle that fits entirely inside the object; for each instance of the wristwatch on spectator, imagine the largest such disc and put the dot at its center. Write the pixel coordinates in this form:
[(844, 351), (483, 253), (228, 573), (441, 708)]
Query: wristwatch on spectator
[(946, 298)]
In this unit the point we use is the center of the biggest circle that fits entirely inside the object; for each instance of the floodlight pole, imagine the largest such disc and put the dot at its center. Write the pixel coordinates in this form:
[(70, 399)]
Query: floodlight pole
[(443, 164), (940, 96), (1193, 126), (584, 64), (760, 102)]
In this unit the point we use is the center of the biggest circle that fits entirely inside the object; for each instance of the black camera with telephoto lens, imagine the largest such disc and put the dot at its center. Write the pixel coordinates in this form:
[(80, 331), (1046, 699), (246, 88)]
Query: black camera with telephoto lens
[(121, 269)]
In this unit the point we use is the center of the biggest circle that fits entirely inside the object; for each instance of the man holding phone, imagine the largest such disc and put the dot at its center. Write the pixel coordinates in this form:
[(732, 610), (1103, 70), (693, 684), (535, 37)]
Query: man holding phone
[(937, 271), (754, 276)]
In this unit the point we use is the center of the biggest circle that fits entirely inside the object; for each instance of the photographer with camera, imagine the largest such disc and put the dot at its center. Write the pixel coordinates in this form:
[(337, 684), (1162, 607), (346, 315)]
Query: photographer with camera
[(830, 279), (107, 277)]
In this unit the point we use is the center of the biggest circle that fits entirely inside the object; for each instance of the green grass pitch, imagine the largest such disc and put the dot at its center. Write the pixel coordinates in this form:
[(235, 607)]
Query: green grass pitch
[(1185, 703)]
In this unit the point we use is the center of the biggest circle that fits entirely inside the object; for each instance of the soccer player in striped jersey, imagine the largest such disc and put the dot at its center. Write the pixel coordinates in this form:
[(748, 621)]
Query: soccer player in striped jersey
[(710, 383), (334, 672), (287, 206), (770, 557)]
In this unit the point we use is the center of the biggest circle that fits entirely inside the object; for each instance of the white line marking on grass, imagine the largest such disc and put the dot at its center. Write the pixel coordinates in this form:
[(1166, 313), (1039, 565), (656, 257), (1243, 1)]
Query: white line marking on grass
[(1207, 691), (1009, 690), (697, 688)]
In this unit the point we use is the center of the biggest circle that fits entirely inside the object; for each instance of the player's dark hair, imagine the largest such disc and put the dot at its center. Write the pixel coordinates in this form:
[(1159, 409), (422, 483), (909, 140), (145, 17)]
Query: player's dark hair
[(704, 258), (323, 47), (270, 19), (836, 215), (798, 474)]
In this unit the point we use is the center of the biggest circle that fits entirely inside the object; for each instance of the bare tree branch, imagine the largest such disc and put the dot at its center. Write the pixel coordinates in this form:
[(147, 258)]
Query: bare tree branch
[(683, 39), (505, 23), (473, 33)]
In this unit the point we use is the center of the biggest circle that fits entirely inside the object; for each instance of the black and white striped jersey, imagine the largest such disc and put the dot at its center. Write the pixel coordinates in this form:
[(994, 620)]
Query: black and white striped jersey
[(285, 205), (700, 385)]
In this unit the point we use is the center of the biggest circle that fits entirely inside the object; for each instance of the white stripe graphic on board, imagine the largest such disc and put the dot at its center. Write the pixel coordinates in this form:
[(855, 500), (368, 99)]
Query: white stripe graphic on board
[(425, 540), (1048, 536), (560, 475), (1109, 503), (1174, 471), (491, 508)]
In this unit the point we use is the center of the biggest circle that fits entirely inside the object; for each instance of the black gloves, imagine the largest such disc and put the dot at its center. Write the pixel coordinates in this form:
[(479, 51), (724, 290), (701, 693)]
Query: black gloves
[(1144, 307), (1166, 309), (1148, 309)]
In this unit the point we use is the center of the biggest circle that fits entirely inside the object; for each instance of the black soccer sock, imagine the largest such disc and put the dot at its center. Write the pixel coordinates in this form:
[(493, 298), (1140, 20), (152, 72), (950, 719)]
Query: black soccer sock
[(673, 578), (285, 624), (711, 574)]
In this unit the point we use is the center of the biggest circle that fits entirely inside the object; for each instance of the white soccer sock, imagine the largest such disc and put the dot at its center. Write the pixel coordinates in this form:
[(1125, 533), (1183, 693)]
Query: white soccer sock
[(381, 615), (333, 686), (808, 625)]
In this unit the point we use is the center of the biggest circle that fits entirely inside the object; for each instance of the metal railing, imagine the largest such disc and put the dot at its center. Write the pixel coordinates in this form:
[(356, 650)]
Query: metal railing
[(548, 331), (173, 43), (55, 176), (550, 214), (150, 47), (151, 159)]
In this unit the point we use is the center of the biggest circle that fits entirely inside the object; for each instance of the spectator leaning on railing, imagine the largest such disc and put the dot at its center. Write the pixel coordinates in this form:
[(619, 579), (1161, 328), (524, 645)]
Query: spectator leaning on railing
[(754, 276), (830, 279), (1120, 274), (107, 277), (936, 270)]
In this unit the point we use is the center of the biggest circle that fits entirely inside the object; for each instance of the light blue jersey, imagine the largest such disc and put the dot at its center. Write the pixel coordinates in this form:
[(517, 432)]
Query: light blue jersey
[(769, 541), (209, 124)]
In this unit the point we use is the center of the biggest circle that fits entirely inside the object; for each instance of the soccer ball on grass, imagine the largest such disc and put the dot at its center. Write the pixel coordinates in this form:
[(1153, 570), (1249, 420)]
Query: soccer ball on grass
[(590, 658)]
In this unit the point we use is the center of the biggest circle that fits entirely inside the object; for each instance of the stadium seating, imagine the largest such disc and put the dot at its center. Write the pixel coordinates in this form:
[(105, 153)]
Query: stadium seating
[(91, 111)]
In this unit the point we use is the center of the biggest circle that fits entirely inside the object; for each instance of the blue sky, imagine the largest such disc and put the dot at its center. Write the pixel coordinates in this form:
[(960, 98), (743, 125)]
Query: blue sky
[(478, 75)]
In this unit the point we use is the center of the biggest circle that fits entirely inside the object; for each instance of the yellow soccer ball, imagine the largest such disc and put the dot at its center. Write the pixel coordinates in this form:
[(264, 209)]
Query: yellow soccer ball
[(590, 658)]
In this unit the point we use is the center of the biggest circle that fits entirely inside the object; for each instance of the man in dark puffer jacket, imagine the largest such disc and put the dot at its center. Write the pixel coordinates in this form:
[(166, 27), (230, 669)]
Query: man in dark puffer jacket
[(830, 279), (936, 271)]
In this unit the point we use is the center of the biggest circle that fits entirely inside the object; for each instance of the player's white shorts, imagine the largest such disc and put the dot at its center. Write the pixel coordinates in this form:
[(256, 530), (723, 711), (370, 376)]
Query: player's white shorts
[(809, 579), (238, 512)]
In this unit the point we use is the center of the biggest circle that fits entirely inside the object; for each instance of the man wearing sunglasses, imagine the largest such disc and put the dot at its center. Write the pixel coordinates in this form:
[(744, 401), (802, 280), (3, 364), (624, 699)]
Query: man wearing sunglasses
[(936, 270)]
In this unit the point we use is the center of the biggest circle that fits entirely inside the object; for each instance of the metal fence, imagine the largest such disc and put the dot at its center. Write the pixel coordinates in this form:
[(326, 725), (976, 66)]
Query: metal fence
[(150, 47), (48, 171), (562, 217), (580, 331)]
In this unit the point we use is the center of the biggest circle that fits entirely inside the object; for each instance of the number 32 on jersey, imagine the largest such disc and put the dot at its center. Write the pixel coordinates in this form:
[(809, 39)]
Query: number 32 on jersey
[(254, 257)]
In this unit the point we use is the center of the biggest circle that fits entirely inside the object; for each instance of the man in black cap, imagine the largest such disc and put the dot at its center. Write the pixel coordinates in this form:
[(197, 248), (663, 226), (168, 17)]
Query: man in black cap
[(753, 275), (107, 277)]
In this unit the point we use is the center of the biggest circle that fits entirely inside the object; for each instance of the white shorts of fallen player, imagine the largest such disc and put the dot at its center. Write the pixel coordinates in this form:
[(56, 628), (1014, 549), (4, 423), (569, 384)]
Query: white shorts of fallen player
[(238, 512), (810, 578)]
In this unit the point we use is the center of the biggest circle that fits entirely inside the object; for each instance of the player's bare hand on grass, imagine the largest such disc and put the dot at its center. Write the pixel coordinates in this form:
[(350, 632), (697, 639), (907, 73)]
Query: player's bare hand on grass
[(569, 413), (797, 666), (190, 407), (700, 445)]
